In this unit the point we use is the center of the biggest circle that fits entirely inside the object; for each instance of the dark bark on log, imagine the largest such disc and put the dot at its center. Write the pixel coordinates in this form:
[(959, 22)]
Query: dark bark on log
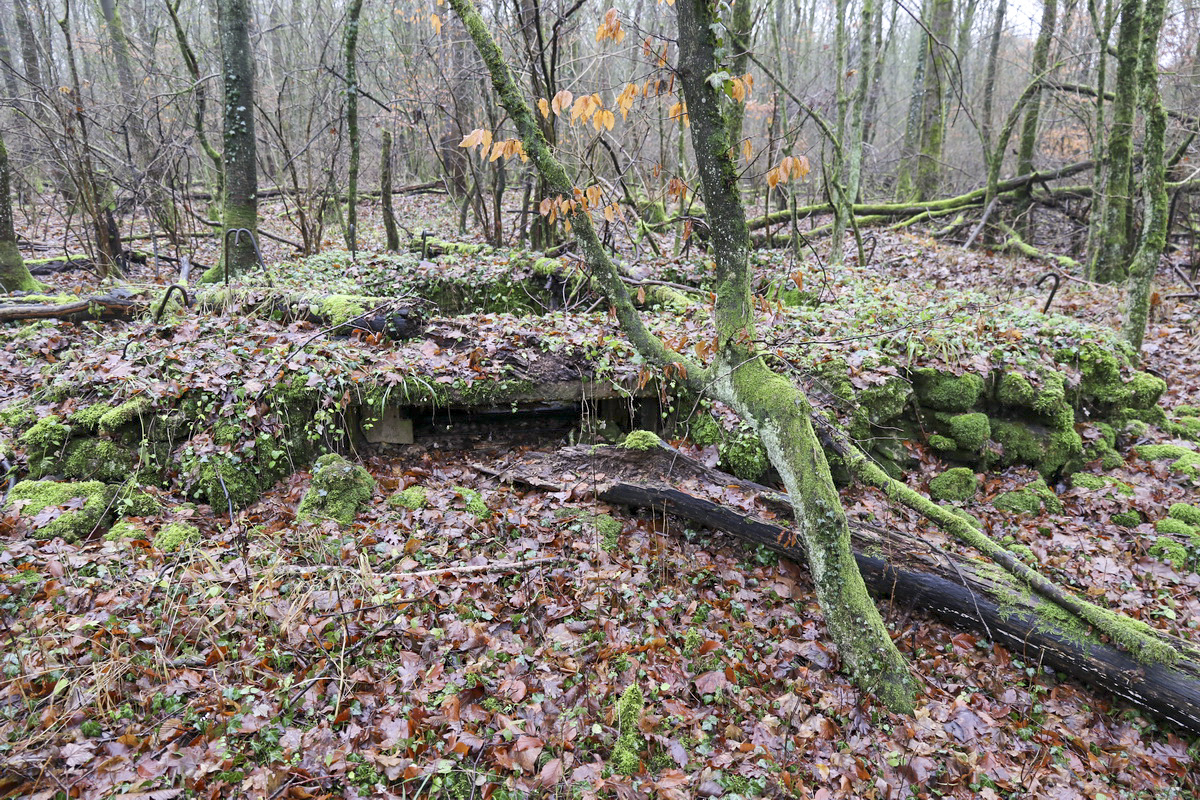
[(902, 569)]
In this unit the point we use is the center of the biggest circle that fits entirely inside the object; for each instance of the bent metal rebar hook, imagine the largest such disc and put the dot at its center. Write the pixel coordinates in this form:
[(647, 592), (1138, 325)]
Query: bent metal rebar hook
[(1053, 291), (237, 239)]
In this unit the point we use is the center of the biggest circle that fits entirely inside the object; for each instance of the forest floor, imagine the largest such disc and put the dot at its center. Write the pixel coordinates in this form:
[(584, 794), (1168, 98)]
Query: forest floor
[(276, 657)]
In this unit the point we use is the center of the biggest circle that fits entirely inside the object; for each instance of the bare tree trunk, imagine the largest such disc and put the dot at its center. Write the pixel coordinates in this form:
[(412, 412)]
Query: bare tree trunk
[(240, 204), (352, 15), (385, 193), (1154, 191)]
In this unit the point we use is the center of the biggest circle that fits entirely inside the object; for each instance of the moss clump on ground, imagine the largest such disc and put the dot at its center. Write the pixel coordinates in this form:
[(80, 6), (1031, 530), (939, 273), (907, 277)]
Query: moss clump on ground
[(1183, 460), (72, 524), (626, 756), (1170, 525), (1086, 480), (969, 431), (609, 529), (117, 418), (743, 455), (122, 530), (1020, 501), (886, 402), (473, 502), (339, 490), (88, 417), (1104, 447), (945, 391), (133, 502), (1167, 549), (1126, 519), (43, 443), (414, 498), (959, 483), (17, 414), (97, 458), (1185, 513), (175, 535), (641, 440)]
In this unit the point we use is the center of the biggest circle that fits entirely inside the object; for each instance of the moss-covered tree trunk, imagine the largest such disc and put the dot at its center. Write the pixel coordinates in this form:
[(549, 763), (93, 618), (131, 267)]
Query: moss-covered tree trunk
[(385, 192), (1113, 241), (351, 53), (920, 173), (774, 407), (777, 410), (1029, 128), (1154, 190), (14, 275), (240, 203)]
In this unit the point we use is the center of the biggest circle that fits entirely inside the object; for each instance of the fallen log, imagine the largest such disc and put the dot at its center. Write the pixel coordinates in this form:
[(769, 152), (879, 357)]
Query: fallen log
[(962, 591), (973, 197), (395, 317), (98, 307)]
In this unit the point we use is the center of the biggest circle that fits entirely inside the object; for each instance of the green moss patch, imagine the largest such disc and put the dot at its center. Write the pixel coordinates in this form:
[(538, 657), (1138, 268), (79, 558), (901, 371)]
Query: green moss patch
[(1183, 460), (1126, 519), (474, 503), (175, 536), (1167, 549), (43, 444), (339, 490), (414, 498), (115, 419), (67, 510), (626, 755), (1170, 525), (969, 431), (1184, 513), (642, 440), (958, 484)]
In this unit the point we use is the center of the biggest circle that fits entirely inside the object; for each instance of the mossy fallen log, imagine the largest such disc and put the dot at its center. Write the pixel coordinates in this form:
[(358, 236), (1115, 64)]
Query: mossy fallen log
[(974, 197), (397, 318), (900, 568), (80, 309)]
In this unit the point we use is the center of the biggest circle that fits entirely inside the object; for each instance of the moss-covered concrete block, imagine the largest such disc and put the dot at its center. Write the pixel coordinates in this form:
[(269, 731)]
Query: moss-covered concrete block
[(81, 507), (101, 459), (944, 391), (958, 484), (969, 431), (1183, 460), (339, 490)]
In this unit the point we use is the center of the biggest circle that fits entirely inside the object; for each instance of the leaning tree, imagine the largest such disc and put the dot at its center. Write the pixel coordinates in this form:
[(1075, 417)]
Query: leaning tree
[(737, 374)]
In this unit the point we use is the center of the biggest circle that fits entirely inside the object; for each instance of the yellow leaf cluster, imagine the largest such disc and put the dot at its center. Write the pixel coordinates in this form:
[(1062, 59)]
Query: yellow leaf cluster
[(436, 21), (625, 99), (679, 112), (508, 148), (741, 87), (677, 190), (790, 168), (610, 28)]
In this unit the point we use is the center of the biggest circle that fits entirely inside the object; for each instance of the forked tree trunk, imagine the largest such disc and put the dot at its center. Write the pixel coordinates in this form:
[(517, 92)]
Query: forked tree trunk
[(777, 410)]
